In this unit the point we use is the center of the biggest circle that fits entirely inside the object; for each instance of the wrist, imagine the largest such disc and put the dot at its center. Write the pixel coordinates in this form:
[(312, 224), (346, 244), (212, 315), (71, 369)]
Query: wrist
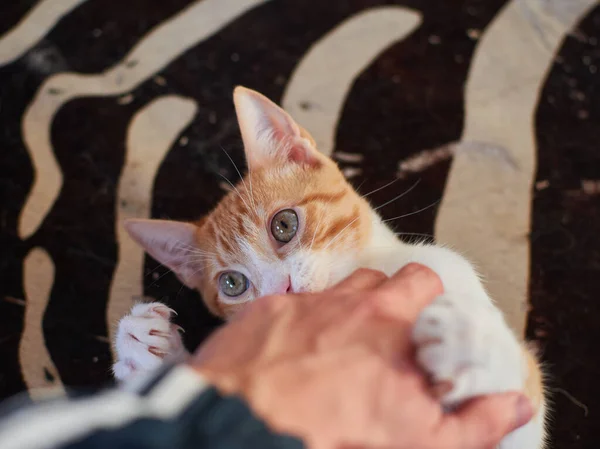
[(225, 417), (262, 392), (228, 382)]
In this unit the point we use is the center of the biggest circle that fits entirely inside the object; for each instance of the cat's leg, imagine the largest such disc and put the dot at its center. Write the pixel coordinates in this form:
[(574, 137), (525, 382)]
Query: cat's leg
[(145, 338), (465, 344)]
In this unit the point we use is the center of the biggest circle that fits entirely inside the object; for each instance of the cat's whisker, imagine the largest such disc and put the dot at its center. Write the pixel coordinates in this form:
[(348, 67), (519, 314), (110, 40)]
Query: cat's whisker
[(312, 241), (383, 205), (160, 277), (365, 180), (200, 270), (160, 265), (192, 251), (377, 189), (413, 213), (196, 261), (180, 245), (296, 244), (163, 275), (236, 191), (186, 247), (211, 264), (199, 256), (337, 236), (179, 291), (243, 182), (317, 226), (399, 196)]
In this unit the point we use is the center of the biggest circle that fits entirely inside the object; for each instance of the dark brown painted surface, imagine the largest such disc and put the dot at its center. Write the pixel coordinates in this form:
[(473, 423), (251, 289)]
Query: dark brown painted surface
[(565, 283)]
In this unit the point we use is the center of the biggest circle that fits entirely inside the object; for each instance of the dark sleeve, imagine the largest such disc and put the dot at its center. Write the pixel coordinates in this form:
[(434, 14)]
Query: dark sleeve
[(172, 410)]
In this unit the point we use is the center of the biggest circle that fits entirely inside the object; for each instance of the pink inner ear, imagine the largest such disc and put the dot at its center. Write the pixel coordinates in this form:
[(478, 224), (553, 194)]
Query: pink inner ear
[(299, 154)]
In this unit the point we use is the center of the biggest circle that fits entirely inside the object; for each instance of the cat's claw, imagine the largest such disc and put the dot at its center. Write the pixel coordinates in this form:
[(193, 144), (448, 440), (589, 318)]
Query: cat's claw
[(467, 351), (144, 339)]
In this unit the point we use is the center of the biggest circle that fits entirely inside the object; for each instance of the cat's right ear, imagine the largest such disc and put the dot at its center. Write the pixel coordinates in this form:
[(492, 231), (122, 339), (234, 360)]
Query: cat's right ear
[(171, 243), (271, 136)]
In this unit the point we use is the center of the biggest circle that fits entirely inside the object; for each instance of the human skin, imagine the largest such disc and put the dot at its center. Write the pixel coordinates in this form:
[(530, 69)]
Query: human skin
[(336, 369)]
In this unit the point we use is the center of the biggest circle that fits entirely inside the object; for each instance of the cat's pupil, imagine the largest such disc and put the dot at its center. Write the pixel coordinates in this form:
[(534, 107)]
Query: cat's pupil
[(230, 282), (284, 225), (233, 283)]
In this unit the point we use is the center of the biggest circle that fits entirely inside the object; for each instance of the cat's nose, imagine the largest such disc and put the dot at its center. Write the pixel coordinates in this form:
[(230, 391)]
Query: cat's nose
[(286, 286)]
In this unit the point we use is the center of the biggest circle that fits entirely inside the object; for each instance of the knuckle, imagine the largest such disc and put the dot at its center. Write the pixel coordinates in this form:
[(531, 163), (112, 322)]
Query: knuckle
[(370, 273), (369, 305), (423, 275)]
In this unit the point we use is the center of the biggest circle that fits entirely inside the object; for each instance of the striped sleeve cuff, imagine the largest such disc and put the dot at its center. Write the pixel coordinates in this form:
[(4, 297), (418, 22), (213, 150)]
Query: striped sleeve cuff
[(57, 422), (170, 409)]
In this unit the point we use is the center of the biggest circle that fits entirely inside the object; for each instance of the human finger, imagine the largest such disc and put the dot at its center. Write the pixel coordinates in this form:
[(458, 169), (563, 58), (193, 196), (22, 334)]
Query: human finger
[(361, 279), (409, 291), (485, 421)]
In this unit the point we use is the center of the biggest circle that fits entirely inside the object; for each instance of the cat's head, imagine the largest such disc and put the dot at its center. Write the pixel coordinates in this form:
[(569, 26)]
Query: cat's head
[(292, 224)]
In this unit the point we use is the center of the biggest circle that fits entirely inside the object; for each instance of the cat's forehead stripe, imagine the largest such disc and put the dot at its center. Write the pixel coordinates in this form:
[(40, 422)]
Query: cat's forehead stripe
[(323, 197), (224, 243), (210, 228), (245, 212), (345, 224)]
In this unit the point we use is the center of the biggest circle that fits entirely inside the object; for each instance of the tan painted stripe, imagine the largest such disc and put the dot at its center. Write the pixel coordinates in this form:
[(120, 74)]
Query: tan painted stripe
[(152, 53), (151, 133), (424, 160), (320, 83), (38, 279), (487, 203), (35, 25)]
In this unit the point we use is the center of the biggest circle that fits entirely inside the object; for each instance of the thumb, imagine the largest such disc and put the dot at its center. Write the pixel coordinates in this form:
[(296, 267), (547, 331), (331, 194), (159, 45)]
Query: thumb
[(484, 422)]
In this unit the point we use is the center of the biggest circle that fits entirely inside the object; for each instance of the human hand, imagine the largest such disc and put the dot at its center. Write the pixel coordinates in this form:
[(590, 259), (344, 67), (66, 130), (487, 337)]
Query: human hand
[(336, 368)]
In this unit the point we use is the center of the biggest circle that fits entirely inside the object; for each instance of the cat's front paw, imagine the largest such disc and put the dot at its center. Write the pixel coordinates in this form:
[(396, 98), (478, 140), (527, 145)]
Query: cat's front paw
[(144, 339), (467, 350)]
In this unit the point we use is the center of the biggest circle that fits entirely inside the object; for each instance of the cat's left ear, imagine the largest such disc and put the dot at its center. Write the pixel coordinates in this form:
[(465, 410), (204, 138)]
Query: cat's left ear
[(172, 244), (271, 136)]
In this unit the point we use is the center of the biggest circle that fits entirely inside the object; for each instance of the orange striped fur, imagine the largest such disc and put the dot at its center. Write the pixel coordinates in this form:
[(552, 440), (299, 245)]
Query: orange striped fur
[(328, 207), (337, 233)]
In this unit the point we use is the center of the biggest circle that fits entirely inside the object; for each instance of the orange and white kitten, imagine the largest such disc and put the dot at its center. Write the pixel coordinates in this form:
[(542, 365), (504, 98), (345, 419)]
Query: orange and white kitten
[(294, 224)]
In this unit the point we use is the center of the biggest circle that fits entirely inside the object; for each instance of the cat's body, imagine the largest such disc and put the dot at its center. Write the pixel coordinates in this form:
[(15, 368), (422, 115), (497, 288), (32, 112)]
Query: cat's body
[(295, 224)]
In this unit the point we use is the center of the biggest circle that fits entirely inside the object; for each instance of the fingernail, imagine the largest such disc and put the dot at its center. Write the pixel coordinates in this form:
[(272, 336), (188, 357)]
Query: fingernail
[(413, 268), (524, 411), (442, 388)]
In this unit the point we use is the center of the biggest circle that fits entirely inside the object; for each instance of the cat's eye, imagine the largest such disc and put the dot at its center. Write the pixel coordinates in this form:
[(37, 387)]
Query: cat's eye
[(284, 225), (233, 283)]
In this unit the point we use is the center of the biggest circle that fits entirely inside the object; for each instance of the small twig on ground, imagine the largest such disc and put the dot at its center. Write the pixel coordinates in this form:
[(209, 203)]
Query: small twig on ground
[(17, 301), (573, 399)]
